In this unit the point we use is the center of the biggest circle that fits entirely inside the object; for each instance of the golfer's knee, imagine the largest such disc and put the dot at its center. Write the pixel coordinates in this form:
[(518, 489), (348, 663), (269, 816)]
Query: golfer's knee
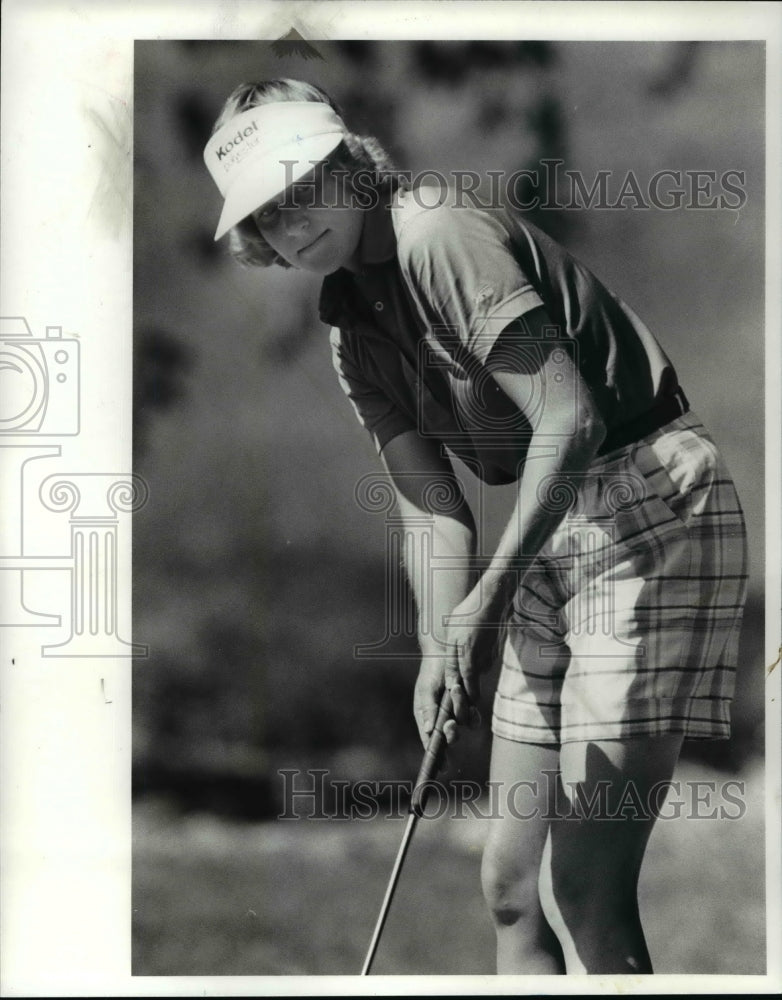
[(509, 888)]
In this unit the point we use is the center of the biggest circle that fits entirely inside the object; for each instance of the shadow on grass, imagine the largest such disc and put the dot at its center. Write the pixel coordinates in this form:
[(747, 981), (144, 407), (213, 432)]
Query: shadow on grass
[(214, 897)]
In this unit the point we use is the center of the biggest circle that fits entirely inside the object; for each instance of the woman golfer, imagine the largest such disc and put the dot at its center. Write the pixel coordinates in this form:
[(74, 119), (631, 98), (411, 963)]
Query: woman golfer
[(621, 575)]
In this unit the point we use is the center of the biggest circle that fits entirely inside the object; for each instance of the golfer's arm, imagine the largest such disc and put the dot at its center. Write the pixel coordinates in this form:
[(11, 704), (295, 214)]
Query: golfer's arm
[(566, 438), (439, 532)]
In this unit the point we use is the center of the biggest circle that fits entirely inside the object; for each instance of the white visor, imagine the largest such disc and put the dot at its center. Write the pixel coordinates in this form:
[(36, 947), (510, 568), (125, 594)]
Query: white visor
[(260, 152)]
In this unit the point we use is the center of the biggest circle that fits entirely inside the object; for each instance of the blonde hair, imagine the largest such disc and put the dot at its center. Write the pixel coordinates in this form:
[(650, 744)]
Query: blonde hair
[(353, 155)]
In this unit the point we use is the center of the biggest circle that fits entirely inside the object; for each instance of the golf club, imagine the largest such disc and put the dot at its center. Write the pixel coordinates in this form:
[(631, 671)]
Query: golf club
[(429, 767)]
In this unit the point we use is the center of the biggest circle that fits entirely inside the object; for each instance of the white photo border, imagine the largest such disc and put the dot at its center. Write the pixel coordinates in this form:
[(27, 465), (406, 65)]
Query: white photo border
[(67, 262)]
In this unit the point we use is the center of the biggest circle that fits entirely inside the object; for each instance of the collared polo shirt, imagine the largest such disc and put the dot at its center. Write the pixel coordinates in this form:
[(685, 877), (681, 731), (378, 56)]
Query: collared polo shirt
[(417, 327)]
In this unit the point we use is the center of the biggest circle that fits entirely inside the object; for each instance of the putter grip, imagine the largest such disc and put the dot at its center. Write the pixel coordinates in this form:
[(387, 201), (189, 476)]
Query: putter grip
[(433, 756)]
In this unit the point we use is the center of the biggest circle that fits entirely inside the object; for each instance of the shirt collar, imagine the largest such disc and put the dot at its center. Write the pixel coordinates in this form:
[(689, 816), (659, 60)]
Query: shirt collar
[(377, 245), (378, 240)]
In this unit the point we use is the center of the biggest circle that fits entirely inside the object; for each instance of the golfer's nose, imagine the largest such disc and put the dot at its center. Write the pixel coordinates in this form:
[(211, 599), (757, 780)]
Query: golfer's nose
[(295, 220)]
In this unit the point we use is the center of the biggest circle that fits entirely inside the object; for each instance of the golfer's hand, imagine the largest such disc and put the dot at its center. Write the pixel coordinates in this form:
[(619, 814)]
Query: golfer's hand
[(437, 672), (472, 639)]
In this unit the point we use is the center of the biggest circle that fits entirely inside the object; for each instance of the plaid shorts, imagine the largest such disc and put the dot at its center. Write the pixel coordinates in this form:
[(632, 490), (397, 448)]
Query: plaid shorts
[(628, 622)]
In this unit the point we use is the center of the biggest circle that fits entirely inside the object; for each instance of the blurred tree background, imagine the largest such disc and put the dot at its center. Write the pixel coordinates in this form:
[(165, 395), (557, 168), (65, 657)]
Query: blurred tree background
[(255, 572)]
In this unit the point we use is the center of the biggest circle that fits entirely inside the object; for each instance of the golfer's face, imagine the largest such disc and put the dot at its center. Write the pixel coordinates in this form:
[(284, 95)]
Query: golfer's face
[(313, 225)]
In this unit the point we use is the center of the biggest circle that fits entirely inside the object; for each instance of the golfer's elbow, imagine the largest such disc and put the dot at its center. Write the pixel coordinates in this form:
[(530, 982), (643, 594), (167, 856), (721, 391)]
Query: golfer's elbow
[(591, 431), (585, 442), (582, 433)]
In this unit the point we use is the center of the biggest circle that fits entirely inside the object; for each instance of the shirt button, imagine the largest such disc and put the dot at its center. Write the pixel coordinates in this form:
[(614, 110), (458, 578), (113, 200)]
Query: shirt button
[(379, 306)]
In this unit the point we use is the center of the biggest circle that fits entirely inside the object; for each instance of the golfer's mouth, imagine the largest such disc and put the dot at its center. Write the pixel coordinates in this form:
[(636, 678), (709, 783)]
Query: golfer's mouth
[(314, 245)]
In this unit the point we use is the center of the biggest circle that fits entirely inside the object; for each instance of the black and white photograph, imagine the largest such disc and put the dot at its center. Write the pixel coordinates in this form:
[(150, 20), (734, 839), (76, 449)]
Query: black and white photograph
[(398, 485)]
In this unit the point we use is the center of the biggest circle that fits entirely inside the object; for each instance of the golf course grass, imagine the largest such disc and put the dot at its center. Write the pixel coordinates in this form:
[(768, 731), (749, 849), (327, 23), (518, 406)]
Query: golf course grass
[(213, 897)]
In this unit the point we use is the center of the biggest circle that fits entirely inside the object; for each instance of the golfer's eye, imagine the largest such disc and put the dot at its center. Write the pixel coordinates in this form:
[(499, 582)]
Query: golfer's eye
[(300, 196), (267, 215)]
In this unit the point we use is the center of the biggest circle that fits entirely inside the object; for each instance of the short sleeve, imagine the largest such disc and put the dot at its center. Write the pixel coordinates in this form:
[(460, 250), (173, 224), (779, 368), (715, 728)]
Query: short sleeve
[(460, 268), (373, 407)]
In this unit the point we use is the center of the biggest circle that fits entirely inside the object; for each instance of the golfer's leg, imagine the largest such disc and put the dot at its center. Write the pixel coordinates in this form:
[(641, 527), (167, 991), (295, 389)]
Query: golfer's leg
[(511, 860), (589, 878)]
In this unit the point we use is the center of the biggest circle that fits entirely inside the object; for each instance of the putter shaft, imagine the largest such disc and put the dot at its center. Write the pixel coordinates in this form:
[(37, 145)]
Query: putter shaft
[(411, 821), (429, 767)]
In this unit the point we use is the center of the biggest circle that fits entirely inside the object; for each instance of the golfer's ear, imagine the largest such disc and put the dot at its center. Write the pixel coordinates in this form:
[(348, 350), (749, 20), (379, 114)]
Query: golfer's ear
[(420, 473)]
